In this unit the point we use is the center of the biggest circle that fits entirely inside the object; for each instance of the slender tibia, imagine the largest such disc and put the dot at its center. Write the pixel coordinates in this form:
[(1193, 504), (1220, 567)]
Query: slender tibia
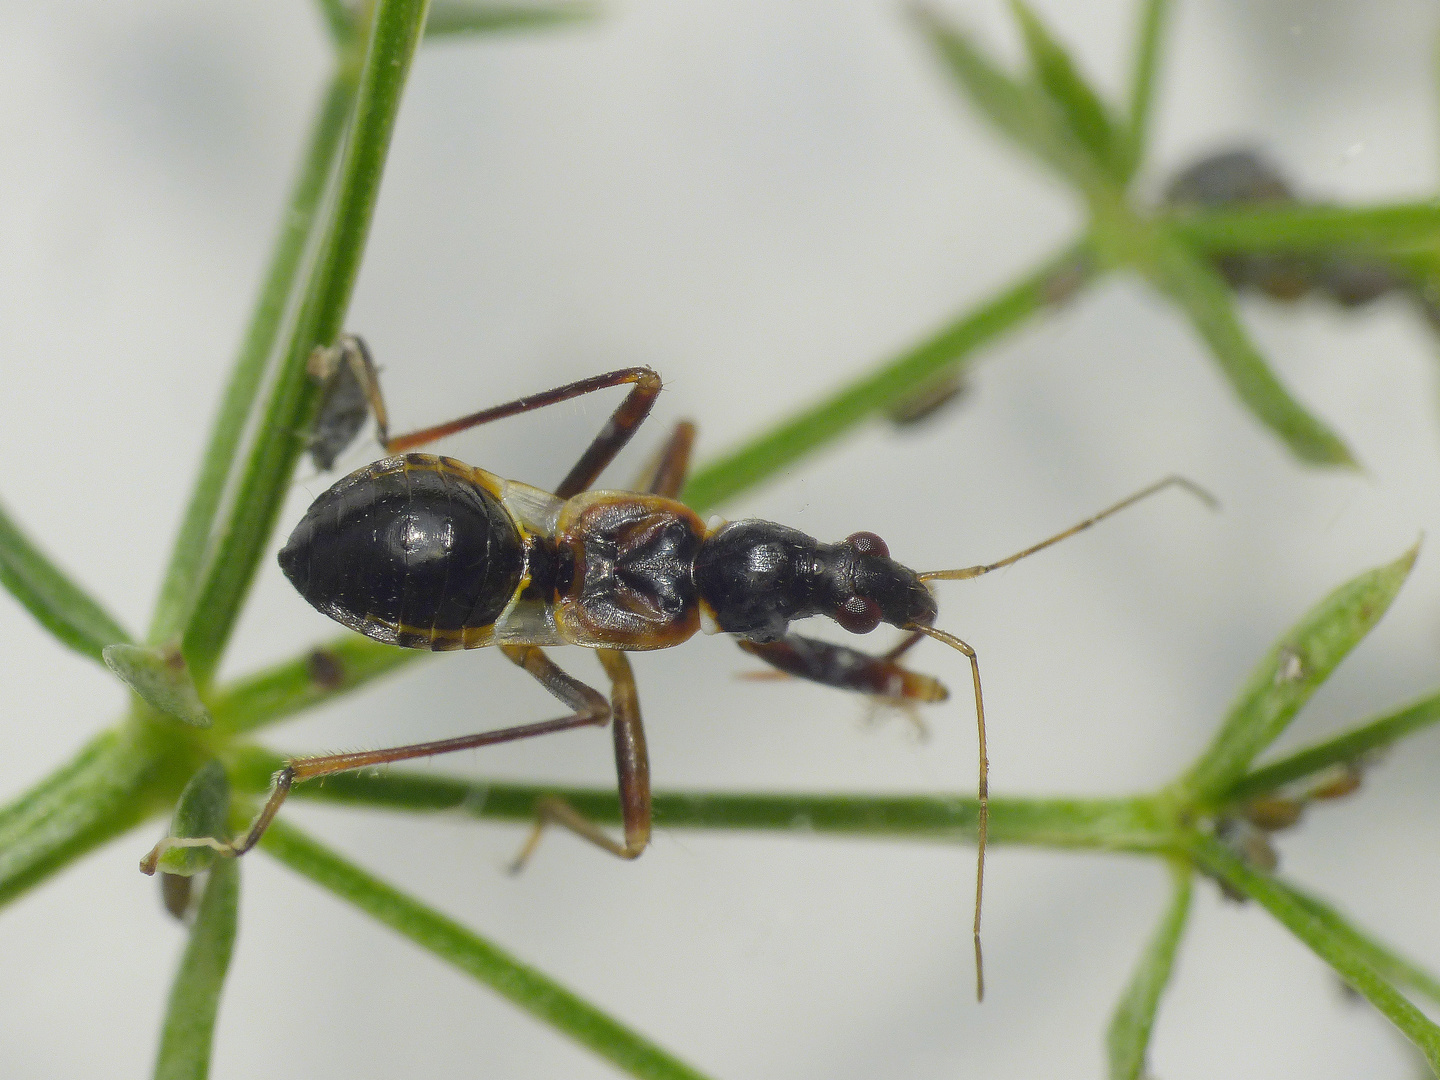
[(631, 413), (632, 767), (983, 822), (1170, 481), (665, 474)]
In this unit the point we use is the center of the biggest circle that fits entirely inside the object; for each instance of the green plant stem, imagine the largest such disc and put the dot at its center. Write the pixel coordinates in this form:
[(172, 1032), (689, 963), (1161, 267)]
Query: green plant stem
[(522, 985), (61, 606), (1133, 824), (1153, 16), (1384, 959), (457, 18), (187, 558), (872, 395), (1128, 1037), (328, 671), (1288, 227), (189, 1029), (1328, 934), (1344, 749), (396, 30)]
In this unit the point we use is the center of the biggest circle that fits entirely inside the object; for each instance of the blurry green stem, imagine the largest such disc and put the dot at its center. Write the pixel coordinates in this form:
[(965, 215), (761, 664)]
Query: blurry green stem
[(876, 393), (192, 543)]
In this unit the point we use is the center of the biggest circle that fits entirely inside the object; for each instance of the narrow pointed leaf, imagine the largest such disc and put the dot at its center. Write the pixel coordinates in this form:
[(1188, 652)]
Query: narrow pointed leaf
[(395, 32), (455, 18), (1085, 115), (161, 679), (326, 672), (1400, 227), (1128, 1037), (1349, 748), (192, 543), (1200, 292), (1290, 672), (521, 984), (1018, 109), (949, 351), (339, 20), (189, 1029), (1153, 15), (202, 810), (104, 791), (60, 605), (1329, 935)]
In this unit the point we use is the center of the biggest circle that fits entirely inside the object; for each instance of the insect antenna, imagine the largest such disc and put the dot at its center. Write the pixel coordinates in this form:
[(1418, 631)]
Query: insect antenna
[(983, 821), (1144, 493), (917, 629)]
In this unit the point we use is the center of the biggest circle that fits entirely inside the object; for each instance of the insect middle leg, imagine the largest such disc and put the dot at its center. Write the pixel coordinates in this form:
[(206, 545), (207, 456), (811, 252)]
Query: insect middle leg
[(663, 476), (632, 768), (590, 710), (623, 422)]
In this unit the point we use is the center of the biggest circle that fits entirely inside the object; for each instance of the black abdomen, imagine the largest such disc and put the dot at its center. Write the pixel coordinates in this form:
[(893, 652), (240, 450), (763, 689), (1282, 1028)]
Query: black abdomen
[(408, 551)]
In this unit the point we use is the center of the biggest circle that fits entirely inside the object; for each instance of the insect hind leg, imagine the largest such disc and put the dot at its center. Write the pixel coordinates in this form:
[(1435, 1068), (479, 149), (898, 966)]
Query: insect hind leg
[(632, 767)]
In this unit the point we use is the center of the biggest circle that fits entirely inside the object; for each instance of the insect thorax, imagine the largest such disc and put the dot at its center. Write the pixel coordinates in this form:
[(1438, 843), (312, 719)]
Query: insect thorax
[(632, 584)]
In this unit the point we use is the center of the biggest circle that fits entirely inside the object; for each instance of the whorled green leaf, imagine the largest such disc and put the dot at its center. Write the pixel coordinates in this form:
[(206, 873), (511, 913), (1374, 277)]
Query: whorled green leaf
[(327, 671), (1199, 291), (457, 18), (1018, 109), (61, 606), (201, 811), (1352, 747), (1128, 1036), (1153, 14), (101, 793), (872, 395), (189, 1029), (1331, 938), (161, 679), (1291, 671), (521, 984), (395, 32), (1085, 114)]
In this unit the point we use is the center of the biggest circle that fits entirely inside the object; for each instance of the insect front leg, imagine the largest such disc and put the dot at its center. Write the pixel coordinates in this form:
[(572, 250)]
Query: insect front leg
[(632, 767), (848, 669), (665, 474)]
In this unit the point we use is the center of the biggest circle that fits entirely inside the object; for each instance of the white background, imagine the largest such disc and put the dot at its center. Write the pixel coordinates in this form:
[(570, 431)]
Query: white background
[(760, 201)]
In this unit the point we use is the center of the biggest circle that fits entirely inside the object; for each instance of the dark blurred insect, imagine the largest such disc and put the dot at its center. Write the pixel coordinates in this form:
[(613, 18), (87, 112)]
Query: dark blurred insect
[(350, 393), (427, 552), (1248, 178)]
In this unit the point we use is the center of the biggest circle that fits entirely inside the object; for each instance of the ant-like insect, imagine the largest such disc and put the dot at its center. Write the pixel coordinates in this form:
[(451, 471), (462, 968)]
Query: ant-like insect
[(427, 552)]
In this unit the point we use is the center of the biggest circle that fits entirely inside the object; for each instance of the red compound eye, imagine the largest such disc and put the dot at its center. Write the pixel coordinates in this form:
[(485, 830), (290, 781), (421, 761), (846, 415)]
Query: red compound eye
[(858, 615), (867, 543)]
